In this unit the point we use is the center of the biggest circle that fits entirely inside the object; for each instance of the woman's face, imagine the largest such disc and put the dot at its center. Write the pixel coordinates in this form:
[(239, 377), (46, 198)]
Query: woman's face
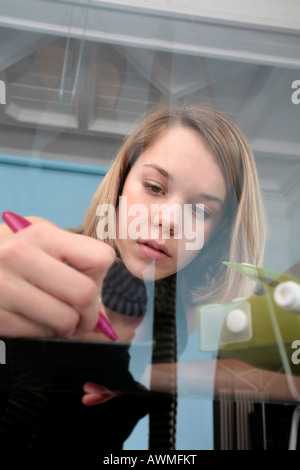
[(160, 221)]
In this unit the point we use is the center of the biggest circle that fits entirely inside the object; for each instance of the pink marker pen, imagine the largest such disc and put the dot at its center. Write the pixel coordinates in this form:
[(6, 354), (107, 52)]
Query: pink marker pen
[(16, 223)]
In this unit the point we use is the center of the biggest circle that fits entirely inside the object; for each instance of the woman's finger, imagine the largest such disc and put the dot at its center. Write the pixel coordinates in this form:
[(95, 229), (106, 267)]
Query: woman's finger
[(14, 325), (53, 293), (90, 256)]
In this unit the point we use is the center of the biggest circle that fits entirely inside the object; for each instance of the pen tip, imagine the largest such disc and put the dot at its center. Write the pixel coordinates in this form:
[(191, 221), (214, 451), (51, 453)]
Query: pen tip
[(103, 326), (14, 221)]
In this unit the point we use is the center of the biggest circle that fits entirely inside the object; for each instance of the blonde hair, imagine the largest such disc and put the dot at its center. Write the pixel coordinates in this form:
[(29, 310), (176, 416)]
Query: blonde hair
[(243, 237)]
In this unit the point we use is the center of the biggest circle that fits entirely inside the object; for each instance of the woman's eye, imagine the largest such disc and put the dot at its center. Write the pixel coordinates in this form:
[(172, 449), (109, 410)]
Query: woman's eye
[(199, 211), (153, 188)]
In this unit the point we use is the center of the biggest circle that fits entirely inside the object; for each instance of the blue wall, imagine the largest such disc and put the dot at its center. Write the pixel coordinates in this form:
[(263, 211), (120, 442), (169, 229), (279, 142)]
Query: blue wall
[(60, 191)]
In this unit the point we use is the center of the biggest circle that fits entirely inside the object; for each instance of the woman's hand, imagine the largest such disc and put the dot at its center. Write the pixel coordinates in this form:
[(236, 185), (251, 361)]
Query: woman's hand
[(50, 281)]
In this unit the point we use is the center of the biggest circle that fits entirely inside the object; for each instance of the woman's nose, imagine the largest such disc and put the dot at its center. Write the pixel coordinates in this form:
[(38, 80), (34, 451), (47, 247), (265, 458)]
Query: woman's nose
[(166, 220)]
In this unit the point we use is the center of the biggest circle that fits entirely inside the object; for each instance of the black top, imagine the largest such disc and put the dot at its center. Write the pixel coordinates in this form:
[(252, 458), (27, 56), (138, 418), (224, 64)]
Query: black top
[(41, 384)]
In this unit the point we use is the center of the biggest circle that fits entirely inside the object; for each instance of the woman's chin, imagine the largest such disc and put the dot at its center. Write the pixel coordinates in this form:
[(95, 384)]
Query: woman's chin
[(149, 273), (143, 273)]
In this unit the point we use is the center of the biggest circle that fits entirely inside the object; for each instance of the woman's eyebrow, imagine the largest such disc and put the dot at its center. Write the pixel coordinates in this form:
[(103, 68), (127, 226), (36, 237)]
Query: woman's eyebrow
[(212, 198), (160, 170), (208, 197)]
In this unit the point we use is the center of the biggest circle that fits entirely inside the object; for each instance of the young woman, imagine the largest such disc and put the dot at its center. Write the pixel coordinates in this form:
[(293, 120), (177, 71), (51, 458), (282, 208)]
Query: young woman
[(193, 161), (188, 157)]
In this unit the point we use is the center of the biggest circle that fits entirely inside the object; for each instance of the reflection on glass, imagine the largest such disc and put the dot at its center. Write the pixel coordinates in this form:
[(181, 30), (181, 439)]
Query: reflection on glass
[(200, 349)]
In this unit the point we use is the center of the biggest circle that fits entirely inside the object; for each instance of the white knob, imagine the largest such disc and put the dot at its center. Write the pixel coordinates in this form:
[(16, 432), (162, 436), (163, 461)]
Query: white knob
[(236, 321), (287, 296)]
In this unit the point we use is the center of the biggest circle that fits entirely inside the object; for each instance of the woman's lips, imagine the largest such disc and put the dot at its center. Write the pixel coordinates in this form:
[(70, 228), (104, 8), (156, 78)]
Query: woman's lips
[(154, 250)]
